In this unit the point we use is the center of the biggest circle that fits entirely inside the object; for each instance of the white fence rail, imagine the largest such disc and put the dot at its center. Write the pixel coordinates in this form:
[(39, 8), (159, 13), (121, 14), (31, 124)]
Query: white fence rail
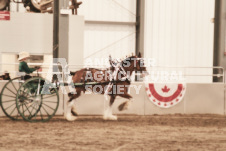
[(191, 74)]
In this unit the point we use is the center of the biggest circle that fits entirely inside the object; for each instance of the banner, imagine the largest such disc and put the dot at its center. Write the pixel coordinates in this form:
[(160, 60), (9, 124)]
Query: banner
[(4, 15), (165, 95)]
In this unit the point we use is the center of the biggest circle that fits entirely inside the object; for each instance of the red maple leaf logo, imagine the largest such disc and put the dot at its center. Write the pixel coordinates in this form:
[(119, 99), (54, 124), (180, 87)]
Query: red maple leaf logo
[(165, 89)]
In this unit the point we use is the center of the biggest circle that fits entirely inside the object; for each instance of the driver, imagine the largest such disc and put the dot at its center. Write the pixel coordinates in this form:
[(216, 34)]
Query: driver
[(23, 67)]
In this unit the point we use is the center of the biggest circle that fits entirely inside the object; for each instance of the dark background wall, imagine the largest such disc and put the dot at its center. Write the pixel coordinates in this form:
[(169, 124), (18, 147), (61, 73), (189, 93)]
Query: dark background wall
[(219, 35)]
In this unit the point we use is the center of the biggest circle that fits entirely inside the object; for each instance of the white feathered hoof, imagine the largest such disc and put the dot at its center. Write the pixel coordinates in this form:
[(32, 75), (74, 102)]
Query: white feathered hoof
[(69, 117), (112, 118)]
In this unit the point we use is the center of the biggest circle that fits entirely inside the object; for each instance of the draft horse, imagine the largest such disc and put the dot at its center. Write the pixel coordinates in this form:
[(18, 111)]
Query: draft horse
[(103, 83)]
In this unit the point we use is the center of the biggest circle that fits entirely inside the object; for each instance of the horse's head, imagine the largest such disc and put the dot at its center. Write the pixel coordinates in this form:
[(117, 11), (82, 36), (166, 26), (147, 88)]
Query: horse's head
[(140, 64), (134, 63)]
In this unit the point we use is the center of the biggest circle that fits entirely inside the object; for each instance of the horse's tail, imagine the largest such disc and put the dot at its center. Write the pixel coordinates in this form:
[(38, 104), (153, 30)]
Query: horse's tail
[(72, 73)]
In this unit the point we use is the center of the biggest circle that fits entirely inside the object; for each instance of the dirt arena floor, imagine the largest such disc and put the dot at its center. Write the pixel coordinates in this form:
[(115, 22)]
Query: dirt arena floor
[(91, 133)]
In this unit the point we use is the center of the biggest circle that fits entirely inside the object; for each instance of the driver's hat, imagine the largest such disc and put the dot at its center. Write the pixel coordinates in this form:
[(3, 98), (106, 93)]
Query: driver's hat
[(23, 55)]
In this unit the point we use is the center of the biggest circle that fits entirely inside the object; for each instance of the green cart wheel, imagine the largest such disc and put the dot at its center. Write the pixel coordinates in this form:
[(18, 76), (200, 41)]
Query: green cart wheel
[(8, 98), (37, 102)]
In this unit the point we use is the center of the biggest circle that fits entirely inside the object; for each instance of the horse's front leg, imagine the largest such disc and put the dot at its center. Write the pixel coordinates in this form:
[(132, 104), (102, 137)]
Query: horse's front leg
[(125, 105), (108, 112)]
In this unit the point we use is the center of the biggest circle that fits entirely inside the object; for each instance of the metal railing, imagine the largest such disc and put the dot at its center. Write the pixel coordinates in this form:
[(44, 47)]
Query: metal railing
[(195, 72), (188, 72)]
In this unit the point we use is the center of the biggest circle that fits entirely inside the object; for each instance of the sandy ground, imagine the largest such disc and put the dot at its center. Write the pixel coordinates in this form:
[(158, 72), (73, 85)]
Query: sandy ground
[(165, 132)]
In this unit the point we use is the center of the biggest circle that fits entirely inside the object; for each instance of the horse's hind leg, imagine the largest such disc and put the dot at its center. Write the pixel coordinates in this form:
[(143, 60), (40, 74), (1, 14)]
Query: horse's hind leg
[(68, 114), (70, 111), (73, 110), (108, 112)]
